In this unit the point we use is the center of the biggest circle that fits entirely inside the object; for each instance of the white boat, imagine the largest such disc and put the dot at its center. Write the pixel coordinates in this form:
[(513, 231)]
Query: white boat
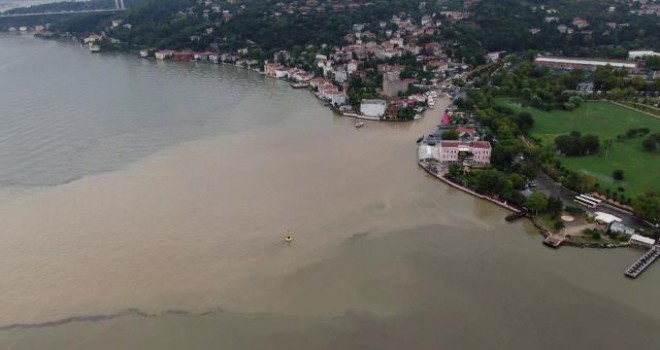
[(359, 124)]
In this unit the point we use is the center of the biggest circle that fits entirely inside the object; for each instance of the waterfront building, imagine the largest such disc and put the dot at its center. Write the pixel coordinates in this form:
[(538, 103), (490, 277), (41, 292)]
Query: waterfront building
[(184, 56), (373, 108), (164, 54), (338, 99), (474, 152), (642, 241), (269, 68), (92, 39)]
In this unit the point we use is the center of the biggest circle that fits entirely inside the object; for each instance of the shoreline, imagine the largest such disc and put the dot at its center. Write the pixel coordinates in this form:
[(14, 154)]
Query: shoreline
[(541, 229)]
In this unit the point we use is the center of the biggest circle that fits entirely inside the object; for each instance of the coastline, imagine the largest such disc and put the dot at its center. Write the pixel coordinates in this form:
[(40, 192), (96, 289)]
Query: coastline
[(469, 191)]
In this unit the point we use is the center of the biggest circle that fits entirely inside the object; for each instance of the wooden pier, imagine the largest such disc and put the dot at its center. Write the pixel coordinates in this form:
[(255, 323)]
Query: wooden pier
[(554, 241), (645, 261)]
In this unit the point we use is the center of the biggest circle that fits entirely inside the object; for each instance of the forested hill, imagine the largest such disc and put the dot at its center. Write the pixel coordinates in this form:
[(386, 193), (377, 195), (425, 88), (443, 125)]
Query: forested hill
[(611, 27), (605, 28), (269, 24)]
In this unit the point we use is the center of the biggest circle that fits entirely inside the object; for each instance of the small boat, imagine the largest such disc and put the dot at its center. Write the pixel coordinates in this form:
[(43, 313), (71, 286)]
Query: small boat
[(359, 124), (288, 237), (299, 85), (420, 139)]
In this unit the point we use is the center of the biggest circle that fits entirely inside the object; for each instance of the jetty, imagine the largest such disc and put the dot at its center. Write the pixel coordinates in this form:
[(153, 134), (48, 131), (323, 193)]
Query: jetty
[(515, 216), (643, 263), (554, 241)]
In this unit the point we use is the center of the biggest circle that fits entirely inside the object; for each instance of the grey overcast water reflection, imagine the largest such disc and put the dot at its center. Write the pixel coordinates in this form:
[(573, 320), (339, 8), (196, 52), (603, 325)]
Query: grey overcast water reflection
[(143, 207)]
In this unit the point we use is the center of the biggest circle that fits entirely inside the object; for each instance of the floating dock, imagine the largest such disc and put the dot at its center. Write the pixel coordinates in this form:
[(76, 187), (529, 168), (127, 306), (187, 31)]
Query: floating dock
[(642, 263)]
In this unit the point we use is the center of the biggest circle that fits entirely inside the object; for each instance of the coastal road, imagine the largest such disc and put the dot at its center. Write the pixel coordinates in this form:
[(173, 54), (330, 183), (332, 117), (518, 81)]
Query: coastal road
[(551, 188)]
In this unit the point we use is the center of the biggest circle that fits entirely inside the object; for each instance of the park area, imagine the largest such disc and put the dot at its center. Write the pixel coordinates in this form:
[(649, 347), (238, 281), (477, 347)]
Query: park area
[(606, 120)]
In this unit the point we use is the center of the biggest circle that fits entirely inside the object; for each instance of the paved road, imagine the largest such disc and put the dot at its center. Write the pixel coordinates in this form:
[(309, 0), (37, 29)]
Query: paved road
[(552, 188)]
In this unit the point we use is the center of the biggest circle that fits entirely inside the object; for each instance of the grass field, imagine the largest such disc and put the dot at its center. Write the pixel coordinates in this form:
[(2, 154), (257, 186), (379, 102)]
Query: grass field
[(642, 169)]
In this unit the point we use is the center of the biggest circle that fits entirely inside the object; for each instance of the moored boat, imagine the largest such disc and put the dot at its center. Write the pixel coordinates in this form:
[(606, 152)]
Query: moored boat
[(299, 85)]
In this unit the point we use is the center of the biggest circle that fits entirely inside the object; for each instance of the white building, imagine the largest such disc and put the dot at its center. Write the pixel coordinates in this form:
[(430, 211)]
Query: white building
[(642, 241), (641, 54), (477, 152), (338, 99), (341, 75), (373, 108), (164, 54)]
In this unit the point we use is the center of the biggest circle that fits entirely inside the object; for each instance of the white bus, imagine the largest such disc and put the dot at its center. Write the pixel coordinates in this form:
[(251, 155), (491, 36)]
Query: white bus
[(588, 197), (586, 202)]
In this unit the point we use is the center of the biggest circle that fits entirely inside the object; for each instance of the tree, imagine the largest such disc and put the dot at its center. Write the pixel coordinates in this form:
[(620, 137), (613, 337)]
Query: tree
[(590, 144), (555, 207), (575, 144), (524, 120), (617, 174), (647, 206), (455, 169), (537, 202), (517, 181), (558, 225), (649, 144), (450, 135), (489, 181)]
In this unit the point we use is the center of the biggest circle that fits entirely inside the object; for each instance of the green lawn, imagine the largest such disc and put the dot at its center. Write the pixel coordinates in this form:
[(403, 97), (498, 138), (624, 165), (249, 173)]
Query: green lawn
[(642, 169)]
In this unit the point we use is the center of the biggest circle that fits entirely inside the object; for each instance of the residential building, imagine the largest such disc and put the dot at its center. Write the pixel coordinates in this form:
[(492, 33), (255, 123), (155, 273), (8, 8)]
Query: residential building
[(341, 75), (164, 54), (338, 99)]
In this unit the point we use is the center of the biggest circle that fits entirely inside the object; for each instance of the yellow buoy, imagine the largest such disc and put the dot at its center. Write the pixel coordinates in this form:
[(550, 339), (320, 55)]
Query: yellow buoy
[(288, 238)]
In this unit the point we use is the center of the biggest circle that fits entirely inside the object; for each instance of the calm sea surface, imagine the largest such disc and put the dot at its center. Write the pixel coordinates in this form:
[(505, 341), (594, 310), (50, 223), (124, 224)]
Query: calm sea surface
[(143, 206)]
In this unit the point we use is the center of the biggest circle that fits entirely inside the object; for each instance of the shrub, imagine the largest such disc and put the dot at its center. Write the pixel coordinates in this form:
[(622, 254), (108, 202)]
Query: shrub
[(574, 210), (617, 174)]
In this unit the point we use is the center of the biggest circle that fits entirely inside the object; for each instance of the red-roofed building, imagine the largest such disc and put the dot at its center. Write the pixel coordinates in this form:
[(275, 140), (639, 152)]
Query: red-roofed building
[(446, 120), (478, 152), (465, 133), (184, 56)]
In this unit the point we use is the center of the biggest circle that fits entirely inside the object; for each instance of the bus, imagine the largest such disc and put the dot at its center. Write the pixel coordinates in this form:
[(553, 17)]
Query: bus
[(586, 201), (590, 198)]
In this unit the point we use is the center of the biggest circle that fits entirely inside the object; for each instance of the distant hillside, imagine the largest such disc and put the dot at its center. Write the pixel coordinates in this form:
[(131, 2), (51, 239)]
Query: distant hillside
[(567, 27)]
